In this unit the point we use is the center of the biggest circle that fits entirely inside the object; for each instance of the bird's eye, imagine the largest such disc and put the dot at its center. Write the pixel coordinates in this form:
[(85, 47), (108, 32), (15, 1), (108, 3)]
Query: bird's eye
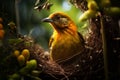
[(58, 17)]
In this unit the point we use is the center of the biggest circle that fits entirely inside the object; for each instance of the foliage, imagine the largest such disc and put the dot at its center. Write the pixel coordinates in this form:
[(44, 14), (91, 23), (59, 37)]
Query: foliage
[(15, 61)]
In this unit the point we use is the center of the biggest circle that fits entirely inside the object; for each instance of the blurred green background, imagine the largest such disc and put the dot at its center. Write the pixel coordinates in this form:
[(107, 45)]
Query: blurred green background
[(29, 20)]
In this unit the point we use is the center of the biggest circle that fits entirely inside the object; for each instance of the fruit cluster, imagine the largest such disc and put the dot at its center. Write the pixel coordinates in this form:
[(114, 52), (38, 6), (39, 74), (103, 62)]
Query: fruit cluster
[(95, 7), (22, 57), (27, 66)]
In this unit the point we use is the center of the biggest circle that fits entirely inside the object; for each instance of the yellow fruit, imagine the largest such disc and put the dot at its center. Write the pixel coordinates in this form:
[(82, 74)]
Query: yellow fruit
[(1, 26), (2, 32), (21, 60), (87, 14), (92, 5), (32, 64), (16, 53), (26, 53)]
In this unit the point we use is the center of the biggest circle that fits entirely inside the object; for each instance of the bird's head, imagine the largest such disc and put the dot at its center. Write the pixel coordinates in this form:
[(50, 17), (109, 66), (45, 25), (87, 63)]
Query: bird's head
[(60, 21)]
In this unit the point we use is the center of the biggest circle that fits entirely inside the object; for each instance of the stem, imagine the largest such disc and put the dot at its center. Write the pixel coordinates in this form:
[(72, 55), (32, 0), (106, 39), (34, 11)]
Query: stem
[(17, 15), (104, 47)]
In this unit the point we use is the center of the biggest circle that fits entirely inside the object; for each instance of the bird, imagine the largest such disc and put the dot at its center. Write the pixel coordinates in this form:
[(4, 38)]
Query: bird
[(65, 42)]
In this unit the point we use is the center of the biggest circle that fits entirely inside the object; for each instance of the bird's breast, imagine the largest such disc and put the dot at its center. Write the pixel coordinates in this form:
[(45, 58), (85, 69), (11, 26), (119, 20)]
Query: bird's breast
[(64, 47)]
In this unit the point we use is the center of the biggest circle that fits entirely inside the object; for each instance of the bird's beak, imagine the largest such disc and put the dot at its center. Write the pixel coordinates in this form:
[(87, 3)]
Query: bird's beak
[(47, 20)]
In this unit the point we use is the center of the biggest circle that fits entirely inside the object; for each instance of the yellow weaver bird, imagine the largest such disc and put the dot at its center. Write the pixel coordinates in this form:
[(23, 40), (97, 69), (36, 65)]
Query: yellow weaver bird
[(66, 42)]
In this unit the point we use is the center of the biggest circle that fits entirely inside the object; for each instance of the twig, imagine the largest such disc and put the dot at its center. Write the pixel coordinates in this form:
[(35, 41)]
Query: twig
[(104, 47)]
